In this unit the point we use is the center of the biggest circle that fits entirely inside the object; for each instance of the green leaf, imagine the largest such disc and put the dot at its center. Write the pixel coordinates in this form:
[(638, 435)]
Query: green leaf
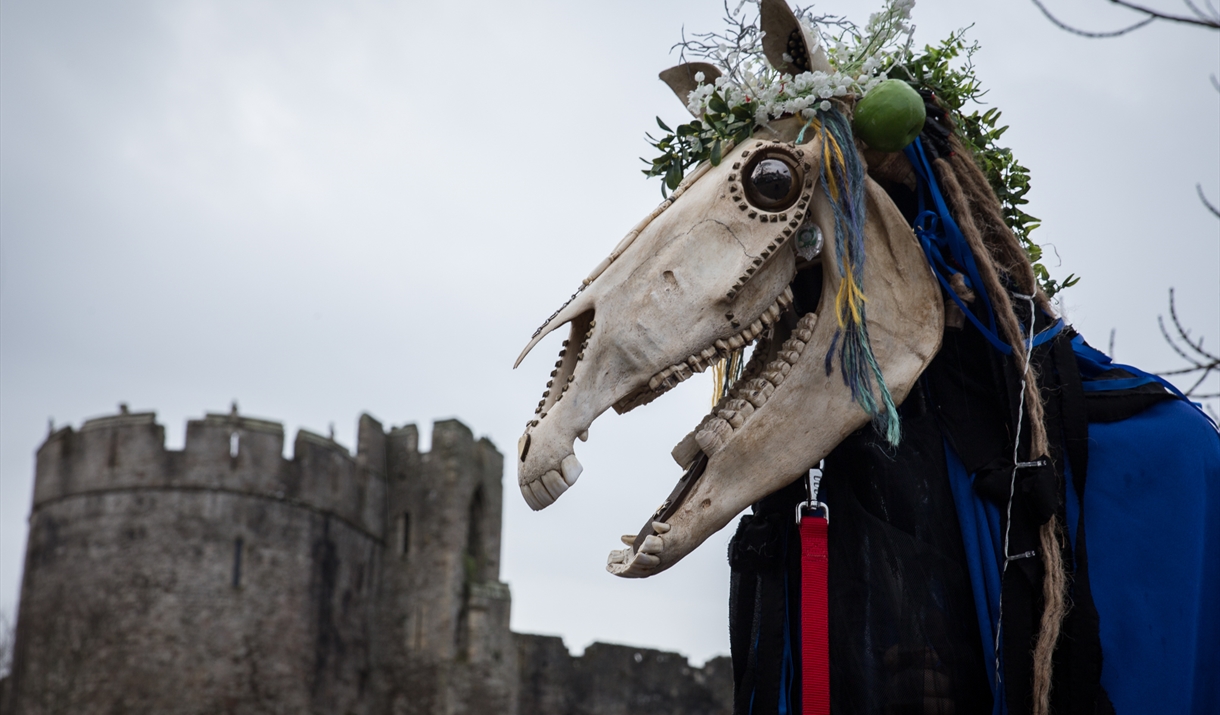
[(674, 176), (662, 125), (716, 153)]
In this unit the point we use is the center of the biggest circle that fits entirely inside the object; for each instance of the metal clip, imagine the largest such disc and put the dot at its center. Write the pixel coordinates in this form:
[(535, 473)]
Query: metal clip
[(813, 480)]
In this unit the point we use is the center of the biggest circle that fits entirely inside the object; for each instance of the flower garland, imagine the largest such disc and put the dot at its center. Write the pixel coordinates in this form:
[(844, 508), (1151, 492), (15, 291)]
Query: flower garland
[(751, 92)]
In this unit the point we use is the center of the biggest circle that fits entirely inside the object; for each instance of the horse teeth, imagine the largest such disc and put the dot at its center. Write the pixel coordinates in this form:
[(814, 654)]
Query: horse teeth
[(773, 312), (803, 335), (796, 346), (807, 321), (528, 494), (696, 363), (661, 527), (734, 419), (708, 355), (627, 539), (652, 545), (789, 356), (571, 468), (583, 436), (773, 375), (756, 327), (712, 437), (682, 371), (722, 347), (647, 560), (741, 407), (736, 343), (553, 482)]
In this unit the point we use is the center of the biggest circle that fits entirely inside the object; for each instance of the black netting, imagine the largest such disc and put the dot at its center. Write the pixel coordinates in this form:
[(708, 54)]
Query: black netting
[(903, 636)]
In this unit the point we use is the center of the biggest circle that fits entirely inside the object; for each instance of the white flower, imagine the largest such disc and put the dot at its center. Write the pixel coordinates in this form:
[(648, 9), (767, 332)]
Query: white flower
[(699, 77), (824, 106)]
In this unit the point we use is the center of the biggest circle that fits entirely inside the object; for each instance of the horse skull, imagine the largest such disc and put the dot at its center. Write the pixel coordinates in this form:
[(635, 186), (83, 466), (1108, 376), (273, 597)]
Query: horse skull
[(708, 274)]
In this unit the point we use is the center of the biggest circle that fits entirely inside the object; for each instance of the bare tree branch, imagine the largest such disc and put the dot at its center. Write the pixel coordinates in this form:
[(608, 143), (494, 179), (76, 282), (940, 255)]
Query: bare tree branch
[(1209, 18), (1210, 207), (1085, 33), (1200, 19), (1202, 362)]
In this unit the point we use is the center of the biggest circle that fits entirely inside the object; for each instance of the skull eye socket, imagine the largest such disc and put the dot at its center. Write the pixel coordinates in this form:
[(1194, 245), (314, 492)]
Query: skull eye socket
[(772, 181)]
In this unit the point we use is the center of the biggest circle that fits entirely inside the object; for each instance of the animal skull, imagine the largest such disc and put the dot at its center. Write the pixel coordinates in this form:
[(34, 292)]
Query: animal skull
[(708, 272)]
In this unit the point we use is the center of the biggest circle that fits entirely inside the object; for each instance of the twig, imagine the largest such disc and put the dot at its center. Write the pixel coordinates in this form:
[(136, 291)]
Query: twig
[(1085, 33), (1199, 188), (1202, 362), (1209, 19), (1201, 19)]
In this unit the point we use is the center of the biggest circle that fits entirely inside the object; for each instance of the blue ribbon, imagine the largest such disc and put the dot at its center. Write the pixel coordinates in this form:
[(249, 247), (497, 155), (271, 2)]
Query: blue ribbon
[(1093, 363), (938, 232)]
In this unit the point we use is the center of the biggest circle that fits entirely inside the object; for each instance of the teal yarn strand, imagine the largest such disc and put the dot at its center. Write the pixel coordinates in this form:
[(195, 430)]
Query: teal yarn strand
[(856, 358)]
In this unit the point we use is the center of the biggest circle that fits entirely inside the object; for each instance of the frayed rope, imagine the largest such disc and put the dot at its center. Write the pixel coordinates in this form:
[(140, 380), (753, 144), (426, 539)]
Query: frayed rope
[(843, 181)]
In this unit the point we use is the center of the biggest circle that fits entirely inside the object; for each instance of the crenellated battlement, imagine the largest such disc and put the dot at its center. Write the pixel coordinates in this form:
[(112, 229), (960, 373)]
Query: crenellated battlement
[(222, 575), (226, 453)]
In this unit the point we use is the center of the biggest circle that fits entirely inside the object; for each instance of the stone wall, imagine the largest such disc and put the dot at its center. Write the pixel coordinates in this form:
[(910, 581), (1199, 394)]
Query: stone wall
[(223, 578), (618, 680)]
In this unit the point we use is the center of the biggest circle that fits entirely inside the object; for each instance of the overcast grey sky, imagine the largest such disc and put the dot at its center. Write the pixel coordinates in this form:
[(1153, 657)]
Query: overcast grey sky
[(321, 208)]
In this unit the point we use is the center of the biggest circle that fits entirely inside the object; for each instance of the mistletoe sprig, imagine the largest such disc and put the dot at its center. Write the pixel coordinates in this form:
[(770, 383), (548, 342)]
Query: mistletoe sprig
[(947, 70), (750, 92), (699, 140)]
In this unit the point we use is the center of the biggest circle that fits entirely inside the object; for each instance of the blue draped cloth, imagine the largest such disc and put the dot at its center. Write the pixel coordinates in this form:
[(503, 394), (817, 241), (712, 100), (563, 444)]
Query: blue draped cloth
[(1152, 519)]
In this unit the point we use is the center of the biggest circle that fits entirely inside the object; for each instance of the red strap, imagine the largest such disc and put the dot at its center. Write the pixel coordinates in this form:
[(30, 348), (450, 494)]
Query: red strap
[(815, 640)]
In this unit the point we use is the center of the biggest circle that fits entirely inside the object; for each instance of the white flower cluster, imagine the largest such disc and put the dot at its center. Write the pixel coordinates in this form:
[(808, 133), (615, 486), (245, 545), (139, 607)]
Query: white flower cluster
[(858, 67)]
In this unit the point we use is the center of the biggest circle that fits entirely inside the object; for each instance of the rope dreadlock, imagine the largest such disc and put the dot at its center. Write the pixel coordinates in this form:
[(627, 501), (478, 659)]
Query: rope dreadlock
[(1001, 260)]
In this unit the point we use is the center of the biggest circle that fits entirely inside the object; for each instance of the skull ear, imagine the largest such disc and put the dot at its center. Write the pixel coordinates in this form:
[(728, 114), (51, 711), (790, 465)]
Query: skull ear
[(782, 34), (681, 79)]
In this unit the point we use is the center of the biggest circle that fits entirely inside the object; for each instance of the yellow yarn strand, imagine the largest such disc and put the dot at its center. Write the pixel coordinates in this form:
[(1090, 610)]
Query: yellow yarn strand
[(717, 381), (851, 295), (826, 159), (721, 368)]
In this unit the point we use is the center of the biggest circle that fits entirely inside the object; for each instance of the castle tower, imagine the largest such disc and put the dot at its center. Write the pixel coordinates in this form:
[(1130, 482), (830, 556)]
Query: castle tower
[(225, 579)]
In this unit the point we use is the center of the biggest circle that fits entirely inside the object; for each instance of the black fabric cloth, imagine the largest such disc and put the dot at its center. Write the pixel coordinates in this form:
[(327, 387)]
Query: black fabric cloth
[(903, 635), (899, 585), (764, 598)]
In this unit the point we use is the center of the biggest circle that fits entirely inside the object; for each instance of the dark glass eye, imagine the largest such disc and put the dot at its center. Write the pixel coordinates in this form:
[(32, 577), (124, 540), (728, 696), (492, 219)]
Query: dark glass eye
[(772, 179)]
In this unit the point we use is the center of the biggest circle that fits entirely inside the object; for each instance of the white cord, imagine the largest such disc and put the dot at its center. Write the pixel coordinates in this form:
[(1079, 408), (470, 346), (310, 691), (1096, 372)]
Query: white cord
[(1012, 486)]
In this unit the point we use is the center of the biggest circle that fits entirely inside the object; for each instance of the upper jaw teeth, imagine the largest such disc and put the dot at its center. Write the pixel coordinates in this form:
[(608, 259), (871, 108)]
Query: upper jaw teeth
[(543, 491), (700, 361)]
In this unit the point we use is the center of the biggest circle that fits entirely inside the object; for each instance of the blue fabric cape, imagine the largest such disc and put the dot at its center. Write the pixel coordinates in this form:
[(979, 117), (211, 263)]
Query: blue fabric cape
[(1152, 515)]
